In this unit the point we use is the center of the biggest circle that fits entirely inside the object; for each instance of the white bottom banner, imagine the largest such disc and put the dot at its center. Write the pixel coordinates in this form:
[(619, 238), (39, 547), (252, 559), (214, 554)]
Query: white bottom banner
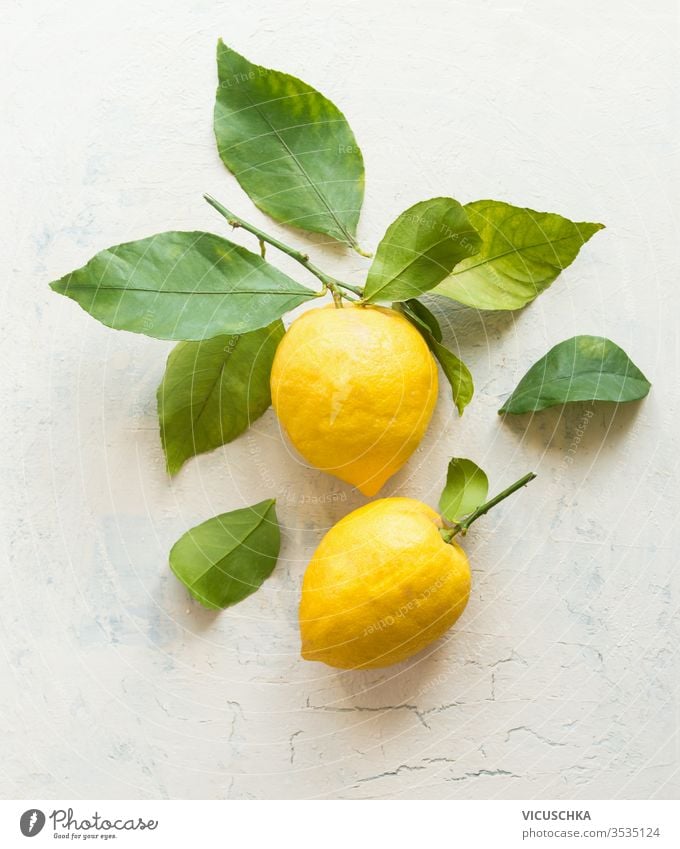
[(341, 824)]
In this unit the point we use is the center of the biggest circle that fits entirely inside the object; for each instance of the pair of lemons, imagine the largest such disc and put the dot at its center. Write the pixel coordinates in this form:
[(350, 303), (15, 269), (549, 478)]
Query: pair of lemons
[(355, 388)]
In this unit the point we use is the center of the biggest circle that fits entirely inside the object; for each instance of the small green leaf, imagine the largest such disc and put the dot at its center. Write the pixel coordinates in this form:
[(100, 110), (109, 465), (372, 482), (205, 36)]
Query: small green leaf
[(224, 560), (522, 252), (420, 249), (466, 488), (583, 368), (455, 370), (289, 147), (457, 374), (214, 390), (419, 315), (183, 286)]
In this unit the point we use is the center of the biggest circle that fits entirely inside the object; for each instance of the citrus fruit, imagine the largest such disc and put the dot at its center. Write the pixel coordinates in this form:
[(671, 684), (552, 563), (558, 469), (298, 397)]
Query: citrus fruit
[(381, 586), (354, 389)]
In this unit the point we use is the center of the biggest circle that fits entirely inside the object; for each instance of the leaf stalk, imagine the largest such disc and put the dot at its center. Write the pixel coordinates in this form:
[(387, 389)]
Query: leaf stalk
[(235, 221)]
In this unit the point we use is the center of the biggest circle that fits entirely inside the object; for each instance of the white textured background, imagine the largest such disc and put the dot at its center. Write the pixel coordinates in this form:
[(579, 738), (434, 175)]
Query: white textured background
[(561, 679)]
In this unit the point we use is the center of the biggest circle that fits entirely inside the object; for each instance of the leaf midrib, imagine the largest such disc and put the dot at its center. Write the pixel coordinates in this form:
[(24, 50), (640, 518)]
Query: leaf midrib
[(216, 382), (454, 273), (88, 287), (574, 377)]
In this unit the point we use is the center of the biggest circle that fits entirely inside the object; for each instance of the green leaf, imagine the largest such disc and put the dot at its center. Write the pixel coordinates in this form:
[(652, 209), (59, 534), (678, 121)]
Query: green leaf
[(466, 488), (224, 560), (522, 252), (419, 315), (456, 372), (182, 286), (289, 147), (420, 249), (214, 390), (584, 368)]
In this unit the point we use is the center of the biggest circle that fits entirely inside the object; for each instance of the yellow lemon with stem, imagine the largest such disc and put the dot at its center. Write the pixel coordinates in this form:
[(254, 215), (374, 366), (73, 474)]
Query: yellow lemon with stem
[(388, 580), (382, 585), (354, 389)]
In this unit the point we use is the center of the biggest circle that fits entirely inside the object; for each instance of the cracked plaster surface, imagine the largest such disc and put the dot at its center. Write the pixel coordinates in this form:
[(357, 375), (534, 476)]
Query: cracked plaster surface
[(560, 680)]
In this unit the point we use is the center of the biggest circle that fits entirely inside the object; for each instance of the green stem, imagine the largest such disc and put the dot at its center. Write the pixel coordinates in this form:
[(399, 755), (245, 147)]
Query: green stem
[(462, 527), (361, 252), (298, 256)]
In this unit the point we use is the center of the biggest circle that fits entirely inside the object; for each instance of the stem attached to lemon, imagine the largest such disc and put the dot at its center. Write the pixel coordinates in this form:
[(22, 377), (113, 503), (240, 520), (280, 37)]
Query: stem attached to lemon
[(461, 527)]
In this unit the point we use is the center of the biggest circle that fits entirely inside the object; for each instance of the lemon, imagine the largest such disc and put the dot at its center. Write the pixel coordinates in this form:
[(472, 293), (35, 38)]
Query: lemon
[(354, 389), (381, 586)]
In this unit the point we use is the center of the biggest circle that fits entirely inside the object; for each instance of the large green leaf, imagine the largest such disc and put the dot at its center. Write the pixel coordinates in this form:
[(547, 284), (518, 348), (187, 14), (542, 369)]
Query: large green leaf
[(224, 560), (214, 390), (466, 489), (584, 368), (182, 286), (289, 147), (419, 249), (522, 252)]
